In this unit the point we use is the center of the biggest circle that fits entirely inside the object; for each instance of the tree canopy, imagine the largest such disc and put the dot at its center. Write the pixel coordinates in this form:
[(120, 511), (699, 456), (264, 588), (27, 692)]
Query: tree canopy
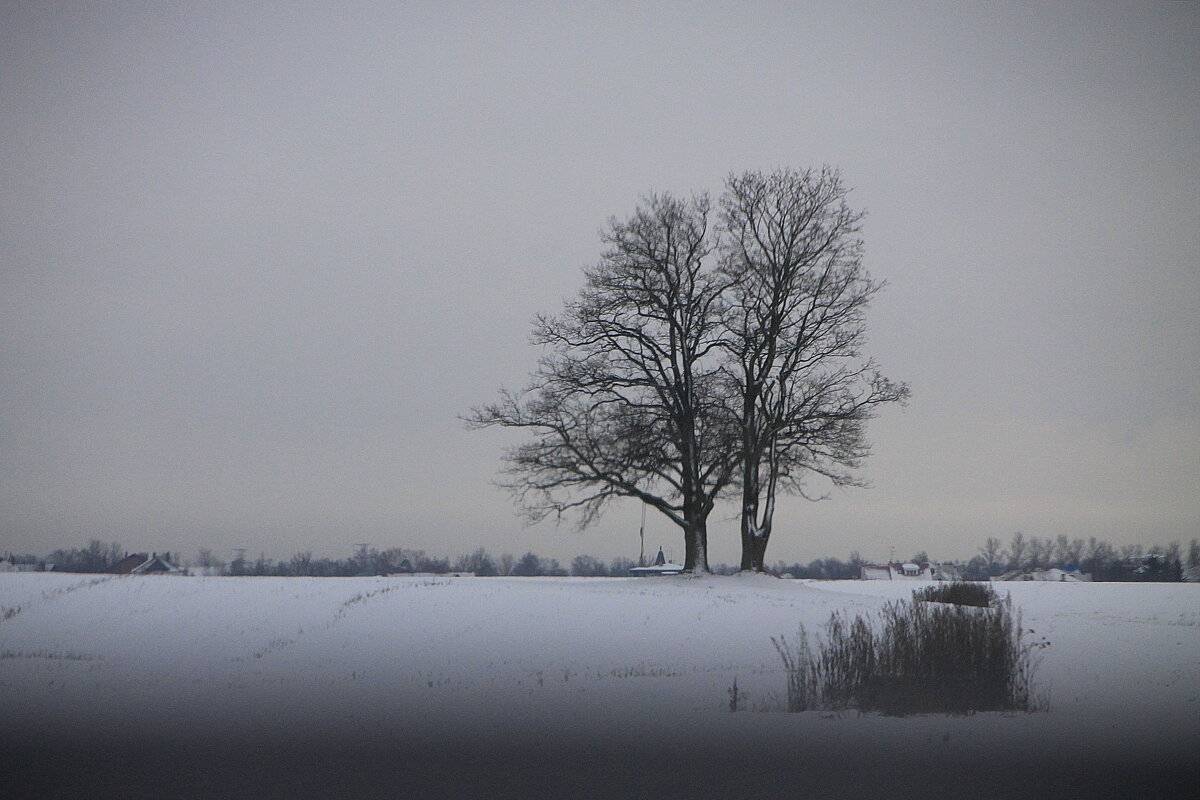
[(704, 361)]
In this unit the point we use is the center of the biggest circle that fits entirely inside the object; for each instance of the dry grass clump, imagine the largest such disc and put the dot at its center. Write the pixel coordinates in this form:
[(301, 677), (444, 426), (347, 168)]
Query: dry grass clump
[(916, 658), (959, 593)]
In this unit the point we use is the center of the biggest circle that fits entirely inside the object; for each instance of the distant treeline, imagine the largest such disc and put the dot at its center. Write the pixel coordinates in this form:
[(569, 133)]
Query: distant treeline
[(1095, 557), (98, 556)]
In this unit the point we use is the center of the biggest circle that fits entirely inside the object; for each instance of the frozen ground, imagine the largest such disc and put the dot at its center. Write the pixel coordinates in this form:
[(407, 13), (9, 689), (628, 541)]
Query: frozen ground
[(564, 687)]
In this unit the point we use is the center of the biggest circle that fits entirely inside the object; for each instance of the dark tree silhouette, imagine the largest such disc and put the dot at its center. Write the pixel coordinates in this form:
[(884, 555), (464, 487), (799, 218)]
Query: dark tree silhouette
[(795, 330), (993, 556), (627, 400)]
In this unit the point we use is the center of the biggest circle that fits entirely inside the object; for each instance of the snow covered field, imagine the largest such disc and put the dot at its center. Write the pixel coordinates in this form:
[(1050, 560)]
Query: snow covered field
[(421, 686)]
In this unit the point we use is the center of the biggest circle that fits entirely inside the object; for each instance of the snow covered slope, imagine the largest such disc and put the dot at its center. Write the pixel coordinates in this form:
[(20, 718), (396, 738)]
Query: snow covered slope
[(570, 686)]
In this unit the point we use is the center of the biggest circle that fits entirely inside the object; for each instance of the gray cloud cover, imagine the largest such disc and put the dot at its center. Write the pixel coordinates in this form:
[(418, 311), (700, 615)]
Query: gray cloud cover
[(255, 259)]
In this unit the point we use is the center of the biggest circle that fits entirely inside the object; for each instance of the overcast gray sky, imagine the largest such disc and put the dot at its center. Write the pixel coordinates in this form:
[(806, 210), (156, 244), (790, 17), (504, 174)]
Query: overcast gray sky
[(257, 258)]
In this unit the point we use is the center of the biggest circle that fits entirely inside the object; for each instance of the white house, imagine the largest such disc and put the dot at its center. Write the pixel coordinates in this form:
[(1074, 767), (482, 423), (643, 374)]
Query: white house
[(660, 567), (896, 571)]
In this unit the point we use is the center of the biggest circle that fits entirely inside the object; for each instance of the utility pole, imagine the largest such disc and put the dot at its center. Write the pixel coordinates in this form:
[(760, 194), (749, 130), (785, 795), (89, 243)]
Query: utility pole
[(642, 537)]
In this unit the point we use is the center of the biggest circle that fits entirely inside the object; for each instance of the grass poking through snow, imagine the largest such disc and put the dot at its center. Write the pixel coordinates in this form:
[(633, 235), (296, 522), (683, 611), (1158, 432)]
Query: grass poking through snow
[(916, 658), (959, 593)]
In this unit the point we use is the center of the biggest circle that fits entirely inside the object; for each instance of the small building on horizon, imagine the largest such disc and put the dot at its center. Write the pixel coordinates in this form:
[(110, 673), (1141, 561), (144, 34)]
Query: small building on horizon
[(899, 571), (143, 564), (660, 567)]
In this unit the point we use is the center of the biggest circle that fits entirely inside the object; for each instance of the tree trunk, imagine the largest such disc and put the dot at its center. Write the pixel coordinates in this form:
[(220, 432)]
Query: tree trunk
[(696, 506), (695, 539), (754, 544), (758, 553), (754, 536)]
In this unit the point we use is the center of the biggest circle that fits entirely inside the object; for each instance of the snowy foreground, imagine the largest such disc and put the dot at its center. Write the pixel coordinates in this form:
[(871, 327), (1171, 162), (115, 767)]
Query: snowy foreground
[(566, 687)]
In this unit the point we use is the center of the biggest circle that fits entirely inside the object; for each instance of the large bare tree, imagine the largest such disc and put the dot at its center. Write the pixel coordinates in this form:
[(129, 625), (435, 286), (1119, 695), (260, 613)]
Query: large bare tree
[(795, 332), (627, 401)]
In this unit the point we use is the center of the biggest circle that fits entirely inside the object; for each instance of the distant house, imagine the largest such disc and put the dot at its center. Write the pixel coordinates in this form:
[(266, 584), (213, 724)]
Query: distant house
[(660, 567), (9, 564), (897, 571), (143, 564)]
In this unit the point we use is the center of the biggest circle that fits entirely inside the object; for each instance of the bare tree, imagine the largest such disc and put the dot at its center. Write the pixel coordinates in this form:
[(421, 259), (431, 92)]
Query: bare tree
[(1173, 555), (206, 559), (993, 554), (1040, 552), (619, 567), (795, 330), (1060, 549), (479, 562), (1132, 552), (588, 567), (627, 401), (529, 566), (301, 563), (1075, 551), (1068, 552), (1100, 556), (98, 556), (1016, 550)]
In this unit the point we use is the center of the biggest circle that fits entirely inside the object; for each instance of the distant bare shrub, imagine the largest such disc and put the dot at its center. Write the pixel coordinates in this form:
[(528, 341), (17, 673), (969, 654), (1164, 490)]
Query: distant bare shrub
[(960, 593), (919, 658)]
